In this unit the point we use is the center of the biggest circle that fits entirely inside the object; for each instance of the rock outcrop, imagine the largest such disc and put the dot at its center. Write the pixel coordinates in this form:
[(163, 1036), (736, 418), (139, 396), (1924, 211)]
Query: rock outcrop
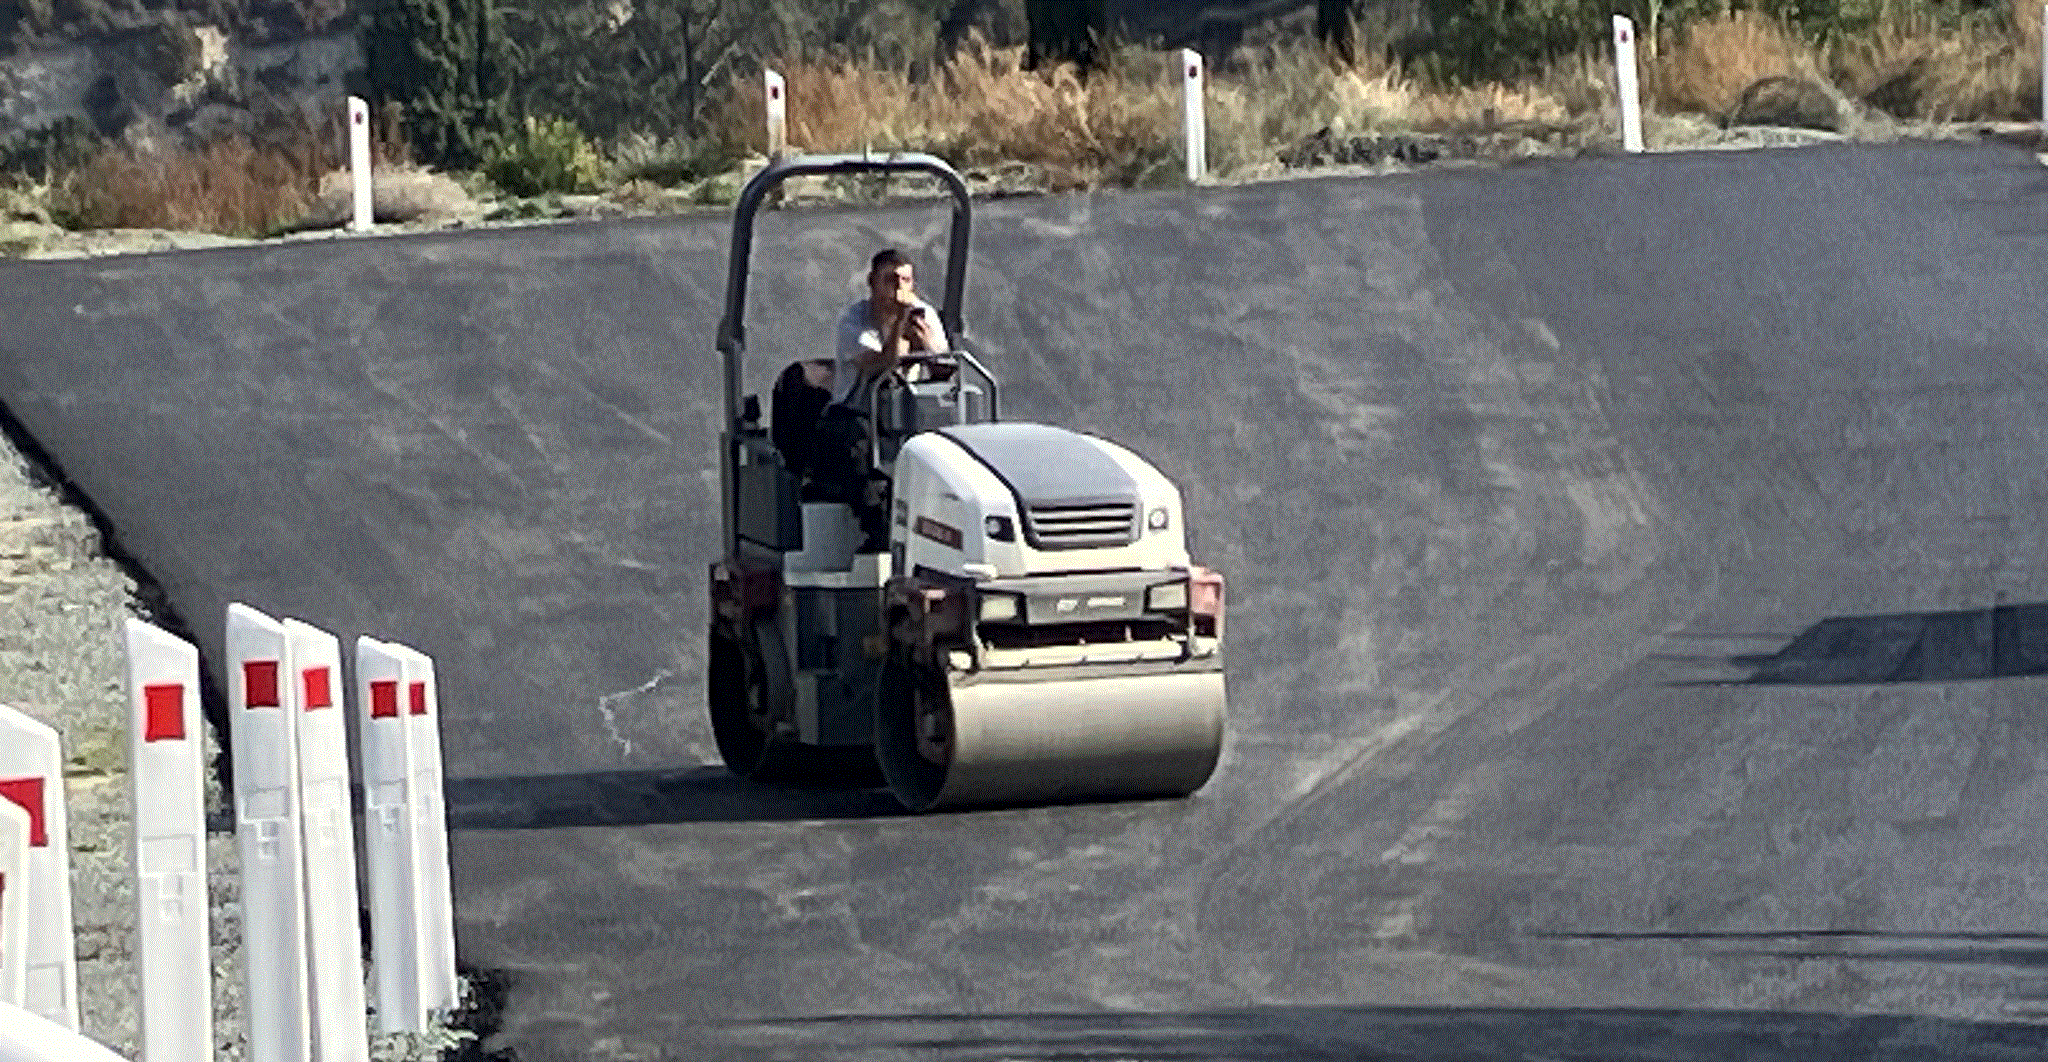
[(170, 78)]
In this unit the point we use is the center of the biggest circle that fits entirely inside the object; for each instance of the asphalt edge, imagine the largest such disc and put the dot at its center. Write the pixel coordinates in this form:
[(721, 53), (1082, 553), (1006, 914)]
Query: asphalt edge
[(480, 1014)]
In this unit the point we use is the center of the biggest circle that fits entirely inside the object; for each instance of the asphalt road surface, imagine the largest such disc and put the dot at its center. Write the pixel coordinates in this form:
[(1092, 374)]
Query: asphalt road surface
[(1638, 606)]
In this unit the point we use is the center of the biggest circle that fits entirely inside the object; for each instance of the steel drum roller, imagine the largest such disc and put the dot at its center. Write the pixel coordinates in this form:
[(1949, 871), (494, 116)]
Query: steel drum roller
[(995, 742)]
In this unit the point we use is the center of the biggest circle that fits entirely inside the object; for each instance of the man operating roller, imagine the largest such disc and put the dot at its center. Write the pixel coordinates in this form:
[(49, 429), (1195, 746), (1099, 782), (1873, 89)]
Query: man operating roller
[(875, 334)]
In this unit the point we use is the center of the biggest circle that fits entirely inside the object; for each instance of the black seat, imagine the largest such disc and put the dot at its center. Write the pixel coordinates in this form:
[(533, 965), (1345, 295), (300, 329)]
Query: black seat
[(794, 408)]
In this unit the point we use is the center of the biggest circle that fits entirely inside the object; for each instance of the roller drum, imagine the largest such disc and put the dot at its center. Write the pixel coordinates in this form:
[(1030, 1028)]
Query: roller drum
[(1053, 740)]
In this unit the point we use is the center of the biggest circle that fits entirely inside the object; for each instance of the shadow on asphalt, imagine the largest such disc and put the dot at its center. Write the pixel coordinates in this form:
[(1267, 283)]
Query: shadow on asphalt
[(2007, 641), (643, 798), (2026, 951), (1396, 1034)]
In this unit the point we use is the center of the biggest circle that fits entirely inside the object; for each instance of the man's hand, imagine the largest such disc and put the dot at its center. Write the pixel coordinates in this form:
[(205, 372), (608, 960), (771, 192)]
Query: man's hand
[(921, 333)]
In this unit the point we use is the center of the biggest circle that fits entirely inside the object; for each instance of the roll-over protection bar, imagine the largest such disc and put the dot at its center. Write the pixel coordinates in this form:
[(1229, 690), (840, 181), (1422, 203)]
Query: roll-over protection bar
[(732, 329)]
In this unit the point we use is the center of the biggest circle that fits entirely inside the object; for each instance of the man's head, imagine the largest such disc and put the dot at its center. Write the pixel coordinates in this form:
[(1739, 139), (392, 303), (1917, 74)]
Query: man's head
[(891, 279)]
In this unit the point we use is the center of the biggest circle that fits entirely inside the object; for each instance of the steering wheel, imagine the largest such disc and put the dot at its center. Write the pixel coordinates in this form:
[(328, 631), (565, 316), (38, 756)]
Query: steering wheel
[(938, 366)]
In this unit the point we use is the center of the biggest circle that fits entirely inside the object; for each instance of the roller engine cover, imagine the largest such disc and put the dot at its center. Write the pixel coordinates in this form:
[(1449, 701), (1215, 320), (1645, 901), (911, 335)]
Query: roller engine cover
[(1010, 500)]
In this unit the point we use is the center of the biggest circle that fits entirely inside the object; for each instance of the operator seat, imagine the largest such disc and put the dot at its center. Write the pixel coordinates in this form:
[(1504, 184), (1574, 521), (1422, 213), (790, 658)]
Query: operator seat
[(795, 405)]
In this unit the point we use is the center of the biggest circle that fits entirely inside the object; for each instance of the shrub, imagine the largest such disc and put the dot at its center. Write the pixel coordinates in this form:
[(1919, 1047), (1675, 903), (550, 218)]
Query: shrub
[(231, 187), (548, 155), (447, 67)]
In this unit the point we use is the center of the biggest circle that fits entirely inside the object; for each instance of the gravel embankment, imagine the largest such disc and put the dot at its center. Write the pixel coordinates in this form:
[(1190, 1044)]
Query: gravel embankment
[(62, 603)]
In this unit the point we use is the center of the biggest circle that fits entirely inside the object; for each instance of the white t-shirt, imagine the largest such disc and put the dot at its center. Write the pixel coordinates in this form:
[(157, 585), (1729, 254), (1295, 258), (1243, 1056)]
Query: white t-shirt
[(857, 333)]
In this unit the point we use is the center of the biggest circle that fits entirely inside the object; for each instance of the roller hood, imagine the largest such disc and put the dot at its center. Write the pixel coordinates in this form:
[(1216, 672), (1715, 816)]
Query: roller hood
[(1048, 466)]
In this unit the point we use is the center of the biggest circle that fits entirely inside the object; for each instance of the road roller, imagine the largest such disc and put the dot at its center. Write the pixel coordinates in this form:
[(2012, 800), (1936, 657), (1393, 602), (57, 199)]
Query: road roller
[(1034, 631)]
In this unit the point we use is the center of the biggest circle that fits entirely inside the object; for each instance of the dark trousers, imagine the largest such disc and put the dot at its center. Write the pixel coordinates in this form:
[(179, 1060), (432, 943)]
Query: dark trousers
[(841, 470)]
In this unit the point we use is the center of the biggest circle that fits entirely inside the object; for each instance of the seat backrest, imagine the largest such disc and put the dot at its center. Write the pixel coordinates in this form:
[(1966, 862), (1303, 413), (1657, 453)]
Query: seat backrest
[(794, 408)]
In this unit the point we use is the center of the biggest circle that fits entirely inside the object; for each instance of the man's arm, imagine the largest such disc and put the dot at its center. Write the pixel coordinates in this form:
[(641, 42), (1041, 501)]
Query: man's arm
[(864, 355)]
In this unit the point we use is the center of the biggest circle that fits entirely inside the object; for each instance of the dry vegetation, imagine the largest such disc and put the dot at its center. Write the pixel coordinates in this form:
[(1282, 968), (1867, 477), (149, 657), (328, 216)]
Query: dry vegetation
[(233, 186), (1120, 126), (1912, 66)]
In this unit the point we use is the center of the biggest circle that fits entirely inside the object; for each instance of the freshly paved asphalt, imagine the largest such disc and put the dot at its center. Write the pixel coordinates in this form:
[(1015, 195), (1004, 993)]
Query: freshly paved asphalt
[(1637, 606)]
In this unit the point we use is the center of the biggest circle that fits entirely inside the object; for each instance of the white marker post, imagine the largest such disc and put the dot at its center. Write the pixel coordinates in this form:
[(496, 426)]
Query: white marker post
[(388, 837), (14, 903), (32, 777), (1625, 84), (2044, 69), (265, 749), (441, 990), (1194, 124), (168, 782), (26, 1036), (775, 93), (359, 161), (327, 812)]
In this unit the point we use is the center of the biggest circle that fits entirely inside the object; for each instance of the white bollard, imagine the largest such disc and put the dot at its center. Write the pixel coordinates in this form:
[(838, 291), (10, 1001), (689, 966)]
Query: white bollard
[(14, 903), (26, 1036), (1194, 124), (32, 776), (1625, 84), (775, 93), (264, 704), (2044, 68), (359, 161), (442, 989), (388, 845), (327, 813), (167, 779)]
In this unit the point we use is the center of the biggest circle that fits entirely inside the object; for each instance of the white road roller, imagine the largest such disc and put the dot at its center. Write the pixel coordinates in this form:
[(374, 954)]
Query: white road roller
[(1036, 631)]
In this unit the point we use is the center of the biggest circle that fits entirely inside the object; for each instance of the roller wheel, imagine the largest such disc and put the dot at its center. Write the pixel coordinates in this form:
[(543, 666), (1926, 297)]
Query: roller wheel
[(913, 729), (738, 694), (743, 712)]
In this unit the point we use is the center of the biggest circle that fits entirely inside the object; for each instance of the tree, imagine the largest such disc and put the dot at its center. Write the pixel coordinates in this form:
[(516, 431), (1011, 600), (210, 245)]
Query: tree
[(966, 16), (1066, 31), (1335, 27), (448, 67)]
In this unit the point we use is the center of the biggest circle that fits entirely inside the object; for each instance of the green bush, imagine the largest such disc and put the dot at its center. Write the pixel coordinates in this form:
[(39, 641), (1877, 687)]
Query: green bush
[(1483, 40), (40, 154), (1828, 19), (448, 67), (549, 155)]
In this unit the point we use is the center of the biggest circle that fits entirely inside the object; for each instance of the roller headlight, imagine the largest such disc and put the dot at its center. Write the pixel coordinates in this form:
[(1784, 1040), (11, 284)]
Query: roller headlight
[(999, 528), (1000, 607), (1157, 519), (1167, 597)]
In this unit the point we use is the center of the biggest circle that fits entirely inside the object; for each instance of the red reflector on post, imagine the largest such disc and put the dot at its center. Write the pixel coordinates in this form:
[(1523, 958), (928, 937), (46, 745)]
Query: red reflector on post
[(260, 677), (417, 693), (319, 692), (28, 793), (163, 712), (383, 699)]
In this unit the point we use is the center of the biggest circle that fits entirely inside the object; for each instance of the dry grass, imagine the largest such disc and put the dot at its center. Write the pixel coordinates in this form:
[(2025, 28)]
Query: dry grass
[(1121, 126), (230, 186), (982, 108), (233, 185), (1704, 67), (1914, 66)]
